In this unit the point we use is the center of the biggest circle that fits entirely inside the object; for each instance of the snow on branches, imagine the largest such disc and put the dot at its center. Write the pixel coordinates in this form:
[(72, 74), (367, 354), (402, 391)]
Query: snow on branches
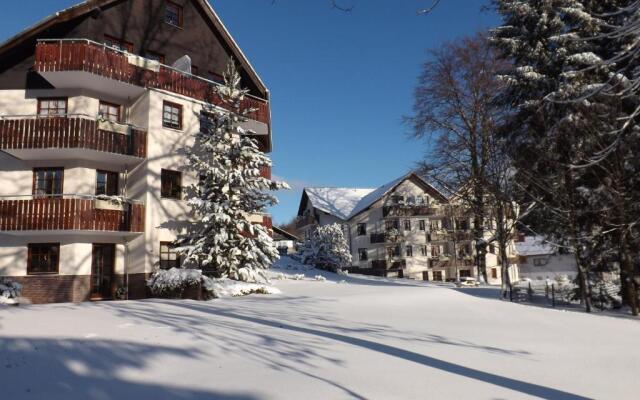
[(227, 160), (327, 248)]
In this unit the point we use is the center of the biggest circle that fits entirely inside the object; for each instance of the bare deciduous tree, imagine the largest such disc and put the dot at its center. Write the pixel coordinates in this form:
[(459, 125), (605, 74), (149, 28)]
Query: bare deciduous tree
[(454, 112)]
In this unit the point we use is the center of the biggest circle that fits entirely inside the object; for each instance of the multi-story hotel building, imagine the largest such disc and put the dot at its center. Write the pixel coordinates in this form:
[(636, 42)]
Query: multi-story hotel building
[(97, 105), (405, 228)]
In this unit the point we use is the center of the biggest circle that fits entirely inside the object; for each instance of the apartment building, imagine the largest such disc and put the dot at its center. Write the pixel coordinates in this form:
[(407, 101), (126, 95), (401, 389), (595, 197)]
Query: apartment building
[(405, 228), (97, 106)]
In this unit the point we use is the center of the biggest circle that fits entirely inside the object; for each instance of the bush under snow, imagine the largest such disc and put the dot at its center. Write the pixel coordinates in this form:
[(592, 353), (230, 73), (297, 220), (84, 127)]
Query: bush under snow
[(9, 291), (327, 248), (173, 283)]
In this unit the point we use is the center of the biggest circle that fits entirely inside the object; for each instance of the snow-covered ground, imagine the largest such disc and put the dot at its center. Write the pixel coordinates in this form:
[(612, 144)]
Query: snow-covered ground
[(339, 338)]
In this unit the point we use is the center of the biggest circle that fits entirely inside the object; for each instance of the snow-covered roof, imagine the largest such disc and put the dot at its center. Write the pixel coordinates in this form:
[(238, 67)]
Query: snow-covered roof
[(346, 203), (534, 246), (374, 195), (339, 202)]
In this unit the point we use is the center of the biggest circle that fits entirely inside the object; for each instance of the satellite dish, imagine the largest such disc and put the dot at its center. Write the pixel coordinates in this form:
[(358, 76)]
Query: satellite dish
[(183, 64)]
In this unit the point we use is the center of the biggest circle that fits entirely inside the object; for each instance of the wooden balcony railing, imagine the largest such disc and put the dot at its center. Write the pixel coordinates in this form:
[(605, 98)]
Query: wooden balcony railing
[(388, 266), (70, 132), (67, 212), (88, 56), (407, 211), (265, 172)]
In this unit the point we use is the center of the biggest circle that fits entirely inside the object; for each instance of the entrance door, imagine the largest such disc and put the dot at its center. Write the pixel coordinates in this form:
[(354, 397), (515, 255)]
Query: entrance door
[(102, 270)]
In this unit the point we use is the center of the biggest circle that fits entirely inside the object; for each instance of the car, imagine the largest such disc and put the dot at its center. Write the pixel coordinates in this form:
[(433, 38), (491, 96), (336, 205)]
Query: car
[(468, 282)]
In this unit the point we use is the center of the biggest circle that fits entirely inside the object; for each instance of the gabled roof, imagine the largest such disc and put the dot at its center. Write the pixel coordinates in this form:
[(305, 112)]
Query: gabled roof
[(88, 6), (286, 235), (346, 203), (339, 202)]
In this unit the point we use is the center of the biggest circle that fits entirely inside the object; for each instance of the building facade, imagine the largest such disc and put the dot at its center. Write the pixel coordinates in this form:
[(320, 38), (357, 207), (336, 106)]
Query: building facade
[(97, 106), (539, 260), (405, 228)]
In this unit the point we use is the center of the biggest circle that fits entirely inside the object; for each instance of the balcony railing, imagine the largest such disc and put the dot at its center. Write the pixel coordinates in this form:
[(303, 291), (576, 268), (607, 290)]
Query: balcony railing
[(60, 55), (439, 237), (73, 131), (388, 266), (265, 172), (70, 212), (407, 211)]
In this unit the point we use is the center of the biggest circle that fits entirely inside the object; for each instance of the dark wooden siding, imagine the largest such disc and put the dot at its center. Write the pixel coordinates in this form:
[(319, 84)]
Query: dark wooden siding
[(141, 23)]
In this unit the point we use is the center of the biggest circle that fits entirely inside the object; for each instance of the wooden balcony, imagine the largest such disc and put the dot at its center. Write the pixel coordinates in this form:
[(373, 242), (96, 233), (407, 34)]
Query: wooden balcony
[(388, 266), (70, 213), (83, 55), (439, 237), (23, 135), (407, 211), (265, 172)]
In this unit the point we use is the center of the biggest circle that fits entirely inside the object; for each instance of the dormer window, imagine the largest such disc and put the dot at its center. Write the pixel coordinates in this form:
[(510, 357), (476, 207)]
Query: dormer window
[(173, 14)]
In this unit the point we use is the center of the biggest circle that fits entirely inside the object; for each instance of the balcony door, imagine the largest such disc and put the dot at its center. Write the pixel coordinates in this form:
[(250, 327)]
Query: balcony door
[(102, 266)]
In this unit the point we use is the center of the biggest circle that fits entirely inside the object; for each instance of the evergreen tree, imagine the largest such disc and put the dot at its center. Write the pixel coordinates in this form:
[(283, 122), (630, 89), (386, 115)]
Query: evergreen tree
[(228, 161), (327, 248)]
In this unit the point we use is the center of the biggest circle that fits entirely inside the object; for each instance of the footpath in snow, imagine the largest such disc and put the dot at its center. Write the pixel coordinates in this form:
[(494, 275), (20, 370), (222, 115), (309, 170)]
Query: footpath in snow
[(325, 336)]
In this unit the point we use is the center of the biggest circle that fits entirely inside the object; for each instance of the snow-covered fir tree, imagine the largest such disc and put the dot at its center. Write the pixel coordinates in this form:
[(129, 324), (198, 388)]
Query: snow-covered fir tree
[(327, 248), (566, 123), (227, 160)]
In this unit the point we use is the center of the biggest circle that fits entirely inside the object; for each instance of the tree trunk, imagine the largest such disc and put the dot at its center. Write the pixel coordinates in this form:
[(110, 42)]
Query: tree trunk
[(629, 289)]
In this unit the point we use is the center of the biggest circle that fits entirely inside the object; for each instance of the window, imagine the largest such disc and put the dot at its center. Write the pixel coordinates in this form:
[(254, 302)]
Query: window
[(173, 14), (171, 115), (492, 249), (106, 183), (361, 229), (435, 251), (419, 200), (465, 273), (152, 55), (118, 44), (47, 181), (396, 199), (494, 273), (169, 258), (539, 262), (363, 255), (43, 258), (391, 224), (52, 107), (407, 225), (214, 76), (109, 111), (393, 251), (171, 184), (422, 225), (423, 250), (437, 276), (408, 250), (411, 200)]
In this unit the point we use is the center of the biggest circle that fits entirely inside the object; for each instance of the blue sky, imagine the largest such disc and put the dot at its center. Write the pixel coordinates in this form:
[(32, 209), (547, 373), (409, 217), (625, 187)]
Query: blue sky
[(340, 82)]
